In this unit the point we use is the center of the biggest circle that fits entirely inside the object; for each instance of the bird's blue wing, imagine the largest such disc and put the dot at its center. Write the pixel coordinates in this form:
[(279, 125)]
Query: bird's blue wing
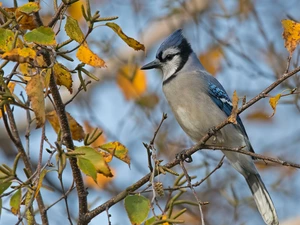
[(220, 97)]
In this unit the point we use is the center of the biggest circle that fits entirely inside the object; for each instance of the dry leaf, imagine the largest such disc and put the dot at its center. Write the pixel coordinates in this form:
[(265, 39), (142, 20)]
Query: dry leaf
[(34, 90), (76, 130), (63, 76), (128, 40), (119, 150), (291, 34), (273, 103), (21, 55), (235, 101), (85, 55), (132, 81), (27, 22)]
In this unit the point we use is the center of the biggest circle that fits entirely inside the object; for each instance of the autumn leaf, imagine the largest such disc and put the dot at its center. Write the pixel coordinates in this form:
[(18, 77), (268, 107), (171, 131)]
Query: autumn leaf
[(15, 202), (21, 55), (29, 7), (128, 40), (76, 129), (11, 87), (118, 149), (132, 81), (85, 55), (34, 90), (73, 30), (6, 39), (41, 35), (273, 103), (40, 182), (102, 181), (24, 20), (291, 34), (74, 10), (211, 59), (235, 101), (63, 76), (96, 159)]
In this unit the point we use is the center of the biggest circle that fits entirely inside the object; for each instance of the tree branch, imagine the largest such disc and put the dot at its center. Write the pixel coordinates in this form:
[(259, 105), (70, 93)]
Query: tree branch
[(195, 148)]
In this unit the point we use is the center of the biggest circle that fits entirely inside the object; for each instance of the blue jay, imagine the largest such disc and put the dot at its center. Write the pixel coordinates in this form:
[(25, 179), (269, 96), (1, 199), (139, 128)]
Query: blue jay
[(199, 103)]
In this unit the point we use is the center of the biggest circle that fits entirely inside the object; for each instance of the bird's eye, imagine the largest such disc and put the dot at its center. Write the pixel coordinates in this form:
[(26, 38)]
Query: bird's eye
[(169, 57)]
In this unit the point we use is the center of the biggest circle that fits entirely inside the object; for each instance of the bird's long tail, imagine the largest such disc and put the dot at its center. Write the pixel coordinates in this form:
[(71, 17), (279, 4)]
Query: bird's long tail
[(262, 199)]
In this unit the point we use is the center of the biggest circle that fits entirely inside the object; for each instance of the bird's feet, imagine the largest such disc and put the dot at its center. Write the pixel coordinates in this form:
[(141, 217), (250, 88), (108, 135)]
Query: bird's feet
[(183, 156), (212, 131)]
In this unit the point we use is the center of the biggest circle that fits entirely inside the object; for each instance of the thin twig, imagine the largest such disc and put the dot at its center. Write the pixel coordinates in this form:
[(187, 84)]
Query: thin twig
[(255, 155), (188, 178)]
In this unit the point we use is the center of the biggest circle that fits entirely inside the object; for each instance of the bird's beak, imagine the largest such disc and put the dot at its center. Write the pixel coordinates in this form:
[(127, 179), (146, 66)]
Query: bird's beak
[(152, 65)]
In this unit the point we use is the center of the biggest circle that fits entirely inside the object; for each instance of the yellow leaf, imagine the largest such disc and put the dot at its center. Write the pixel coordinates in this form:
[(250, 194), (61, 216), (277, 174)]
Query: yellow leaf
[(211, 59), (100, 140), (21, 55), (128, 40), (63, 76), (291, 34), (74, 10), (76, 130), (26, 22), (40, 182), (11, 86), (273, 103), (34, 90), (85, 55), (132, 81), (119, 150), (102, 181), (6, 39), (235, 101)]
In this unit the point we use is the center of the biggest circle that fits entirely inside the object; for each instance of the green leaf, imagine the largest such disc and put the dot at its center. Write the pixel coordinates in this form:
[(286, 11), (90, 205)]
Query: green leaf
[(6, 39), (15, 202), (41, 35), (4, 186), (96, 159), (150, 221), (137, 208), (73, 30), (87, 167), (29, 7)]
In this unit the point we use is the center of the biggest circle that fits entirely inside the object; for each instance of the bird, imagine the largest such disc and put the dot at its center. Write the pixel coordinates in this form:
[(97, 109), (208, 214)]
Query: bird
[(199, 103)]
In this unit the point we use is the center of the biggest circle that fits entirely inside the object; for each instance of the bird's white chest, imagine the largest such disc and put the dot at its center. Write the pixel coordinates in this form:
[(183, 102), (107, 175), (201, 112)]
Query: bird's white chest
[(184, 117)]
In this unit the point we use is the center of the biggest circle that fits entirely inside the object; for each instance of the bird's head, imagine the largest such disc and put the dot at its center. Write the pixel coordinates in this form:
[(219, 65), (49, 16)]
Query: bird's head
[(172, 55)]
